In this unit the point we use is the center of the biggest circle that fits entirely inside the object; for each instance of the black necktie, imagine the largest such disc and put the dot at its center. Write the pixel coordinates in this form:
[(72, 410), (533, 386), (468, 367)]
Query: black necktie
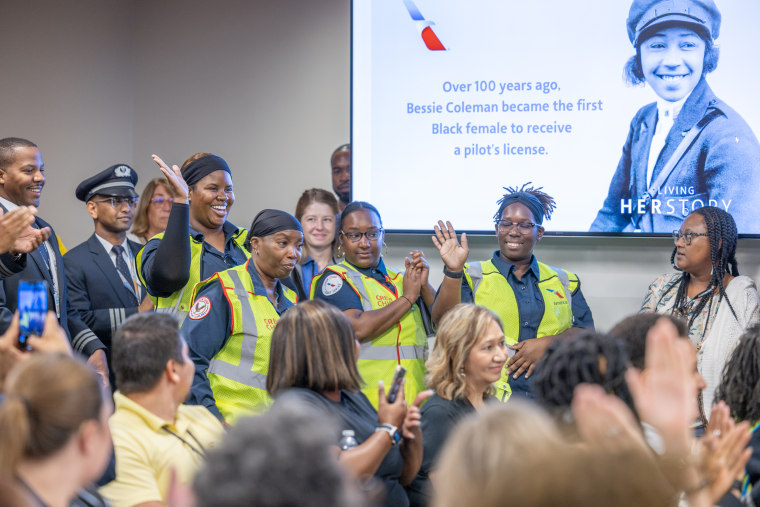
[(121, 265)]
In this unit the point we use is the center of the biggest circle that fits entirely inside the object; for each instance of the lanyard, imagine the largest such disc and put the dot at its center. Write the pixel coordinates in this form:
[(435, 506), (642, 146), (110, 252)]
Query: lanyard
[(200, 450)]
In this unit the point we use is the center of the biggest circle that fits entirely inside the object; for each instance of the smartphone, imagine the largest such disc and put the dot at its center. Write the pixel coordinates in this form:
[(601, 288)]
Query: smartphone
[(398, 379), (32, 310)]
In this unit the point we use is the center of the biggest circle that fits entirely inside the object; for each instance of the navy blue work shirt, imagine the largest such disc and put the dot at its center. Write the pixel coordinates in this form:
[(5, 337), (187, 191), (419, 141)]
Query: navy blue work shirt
[(207, 335), (530, 308)]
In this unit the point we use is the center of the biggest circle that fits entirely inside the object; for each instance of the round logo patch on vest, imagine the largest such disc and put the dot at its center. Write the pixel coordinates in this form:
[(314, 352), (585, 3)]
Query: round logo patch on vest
[(200, 309), (331, 285)]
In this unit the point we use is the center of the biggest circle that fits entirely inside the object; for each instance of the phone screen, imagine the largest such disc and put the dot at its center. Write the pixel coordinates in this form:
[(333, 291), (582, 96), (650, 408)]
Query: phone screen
[(32, 309)]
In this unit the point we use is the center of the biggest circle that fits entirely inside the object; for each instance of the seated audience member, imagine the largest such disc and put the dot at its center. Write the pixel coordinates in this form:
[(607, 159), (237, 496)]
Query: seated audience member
[(198, 241), (100, 273), (537, 303), (153, 432), (740, 390), (54, 431), (282, 458), (587, 358), (152, 214), (17, 235), (467, 359), (313, 361), (316, 210), (340, 161), (383, 306), (707, 291), (233, 315)]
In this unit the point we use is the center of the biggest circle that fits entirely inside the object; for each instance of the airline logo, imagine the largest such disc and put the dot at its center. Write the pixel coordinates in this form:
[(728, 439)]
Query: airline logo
[(556, 293), (431, 40)]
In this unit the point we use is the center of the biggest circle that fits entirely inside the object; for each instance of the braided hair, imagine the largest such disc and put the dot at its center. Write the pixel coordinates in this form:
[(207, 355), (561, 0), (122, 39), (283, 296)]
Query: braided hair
[(723, 237), (740, 384), (588, 358), (512, 194)]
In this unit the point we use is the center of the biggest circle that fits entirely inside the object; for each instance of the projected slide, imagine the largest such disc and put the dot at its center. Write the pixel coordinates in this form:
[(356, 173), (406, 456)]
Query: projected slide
[(453, 100)]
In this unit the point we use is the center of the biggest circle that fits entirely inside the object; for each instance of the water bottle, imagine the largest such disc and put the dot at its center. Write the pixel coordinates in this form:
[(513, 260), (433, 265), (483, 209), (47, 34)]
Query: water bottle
[(348, 440)]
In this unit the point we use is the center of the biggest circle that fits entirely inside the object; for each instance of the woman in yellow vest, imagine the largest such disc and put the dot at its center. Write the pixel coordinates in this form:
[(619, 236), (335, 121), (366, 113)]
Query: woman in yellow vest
[(230, 324), (532, 299), (198, 241), (382, 305)]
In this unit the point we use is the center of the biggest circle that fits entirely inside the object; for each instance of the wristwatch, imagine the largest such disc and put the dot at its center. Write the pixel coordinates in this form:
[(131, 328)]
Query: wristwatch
[(392, 432)]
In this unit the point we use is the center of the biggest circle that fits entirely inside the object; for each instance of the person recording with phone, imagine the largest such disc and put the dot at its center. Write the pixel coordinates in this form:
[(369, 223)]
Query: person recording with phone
[(313, 361)]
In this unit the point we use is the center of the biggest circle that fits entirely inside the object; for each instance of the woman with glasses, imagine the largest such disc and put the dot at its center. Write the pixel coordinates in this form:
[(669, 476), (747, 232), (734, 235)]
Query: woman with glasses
[(153, 209), (199, 240), (536, 303), (316, 210), (382, 305), (707, 292)]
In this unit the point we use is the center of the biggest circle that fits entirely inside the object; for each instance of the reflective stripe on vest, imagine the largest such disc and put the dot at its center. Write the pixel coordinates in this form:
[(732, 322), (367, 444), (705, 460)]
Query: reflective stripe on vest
[(242, 372), (237, 373), (491, 290), (178, 304), (403, 343)]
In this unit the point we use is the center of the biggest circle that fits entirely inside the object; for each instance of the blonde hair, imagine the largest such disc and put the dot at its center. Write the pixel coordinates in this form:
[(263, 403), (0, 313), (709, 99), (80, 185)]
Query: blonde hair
[(140, 226), (47, 399), (459, 331)]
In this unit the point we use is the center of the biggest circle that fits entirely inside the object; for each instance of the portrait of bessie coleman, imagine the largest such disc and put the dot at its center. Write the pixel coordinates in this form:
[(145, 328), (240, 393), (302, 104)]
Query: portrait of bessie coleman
[(689, 148)]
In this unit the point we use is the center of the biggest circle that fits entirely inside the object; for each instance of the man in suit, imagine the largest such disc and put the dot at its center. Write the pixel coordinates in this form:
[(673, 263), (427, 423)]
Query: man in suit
[(21, 180), (100, 273)]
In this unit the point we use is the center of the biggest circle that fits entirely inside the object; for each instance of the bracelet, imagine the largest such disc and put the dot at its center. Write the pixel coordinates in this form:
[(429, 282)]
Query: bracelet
[(452, 274), (409, 300), (737, 485)]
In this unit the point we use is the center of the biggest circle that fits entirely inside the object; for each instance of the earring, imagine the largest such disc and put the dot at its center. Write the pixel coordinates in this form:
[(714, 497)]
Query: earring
[(339, 251), (461, 372), (256, 251), (385, 249)]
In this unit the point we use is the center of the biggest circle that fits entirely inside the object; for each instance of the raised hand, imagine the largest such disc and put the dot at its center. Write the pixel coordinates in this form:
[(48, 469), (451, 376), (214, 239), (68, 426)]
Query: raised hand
[(453, 254), (174, 175), (419, 263), (16, 232)]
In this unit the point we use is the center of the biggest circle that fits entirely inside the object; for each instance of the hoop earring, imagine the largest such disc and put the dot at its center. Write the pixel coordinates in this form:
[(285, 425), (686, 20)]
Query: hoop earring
[(339, 251)]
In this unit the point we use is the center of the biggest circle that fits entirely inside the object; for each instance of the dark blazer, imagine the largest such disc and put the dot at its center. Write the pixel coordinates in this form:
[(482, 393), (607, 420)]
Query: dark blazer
[(721, 168), (36, 269), (96, 291)]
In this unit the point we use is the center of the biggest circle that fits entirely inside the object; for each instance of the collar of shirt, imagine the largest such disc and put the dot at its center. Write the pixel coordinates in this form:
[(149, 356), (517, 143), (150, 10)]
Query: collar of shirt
[(228, 228), (667, 109), (108, 245), (283, 303), (8, 205), (372, 272), (154, 422), (506, 268)]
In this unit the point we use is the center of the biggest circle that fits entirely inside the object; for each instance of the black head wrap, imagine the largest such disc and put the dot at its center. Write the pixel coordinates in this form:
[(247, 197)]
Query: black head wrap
[(531, 202), (271, 221), (538, 202), (197, 169)]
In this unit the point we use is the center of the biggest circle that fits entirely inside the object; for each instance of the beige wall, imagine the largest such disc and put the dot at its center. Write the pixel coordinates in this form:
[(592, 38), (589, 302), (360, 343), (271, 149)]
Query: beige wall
[(263, 84)]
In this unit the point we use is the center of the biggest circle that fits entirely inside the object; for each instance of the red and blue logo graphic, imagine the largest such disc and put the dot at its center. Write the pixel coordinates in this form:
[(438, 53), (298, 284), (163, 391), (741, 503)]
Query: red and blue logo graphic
[(431, 40), (556, 293)]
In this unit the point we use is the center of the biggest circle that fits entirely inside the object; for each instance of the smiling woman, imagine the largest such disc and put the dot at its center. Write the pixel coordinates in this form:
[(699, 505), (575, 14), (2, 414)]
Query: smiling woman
[(708, 292), (198, 241), (688, 138)]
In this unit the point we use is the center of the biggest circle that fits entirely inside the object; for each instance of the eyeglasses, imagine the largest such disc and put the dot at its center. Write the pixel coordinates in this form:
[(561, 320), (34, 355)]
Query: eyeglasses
[(158, 201), (118, 202), (686, 236), (355, 237), (522, 227)]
